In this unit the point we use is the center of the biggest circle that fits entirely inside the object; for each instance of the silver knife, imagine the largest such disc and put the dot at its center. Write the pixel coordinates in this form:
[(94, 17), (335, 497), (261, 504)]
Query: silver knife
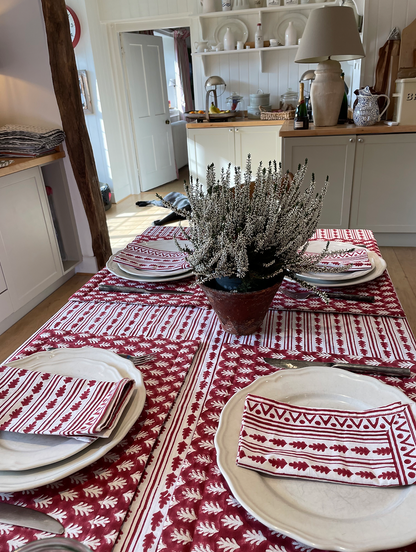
[(126, 289), (358, 368), (26, 517)]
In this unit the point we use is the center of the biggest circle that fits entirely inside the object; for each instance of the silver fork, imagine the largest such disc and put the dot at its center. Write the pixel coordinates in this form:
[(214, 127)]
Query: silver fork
[(330, 294), (140, 359)]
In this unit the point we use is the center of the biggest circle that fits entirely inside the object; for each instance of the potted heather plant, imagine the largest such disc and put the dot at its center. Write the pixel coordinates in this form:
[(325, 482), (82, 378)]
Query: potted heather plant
[(244, 239)]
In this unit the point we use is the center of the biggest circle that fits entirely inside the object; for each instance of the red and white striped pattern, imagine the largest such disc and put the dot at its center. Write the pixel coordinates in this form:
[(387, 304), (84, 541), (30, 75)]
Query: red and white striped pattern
[(355, 260), (374, 447), (35, 402)]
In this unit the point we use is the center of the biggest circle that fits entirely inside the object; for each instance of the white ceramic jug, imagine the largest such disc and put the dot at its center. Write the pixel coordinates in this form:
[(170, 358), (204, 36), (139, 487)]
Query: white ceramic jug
[(201, 46), (208, 6), (229, 40), (366, 112)]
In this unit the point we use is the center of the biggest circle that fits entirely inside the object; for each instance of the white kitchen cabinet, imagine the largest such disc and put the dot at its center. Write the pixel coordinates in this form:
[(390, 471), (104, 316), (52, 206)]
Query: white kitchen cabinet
[(372, 181), (384, 193), (331, 156), (29, 251), (225, 145)]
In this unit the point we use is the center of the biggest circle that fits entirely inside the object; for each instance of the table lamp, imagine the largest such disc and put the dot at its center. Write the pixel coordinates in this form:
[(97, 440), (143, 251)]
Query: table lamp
[(330, 36)]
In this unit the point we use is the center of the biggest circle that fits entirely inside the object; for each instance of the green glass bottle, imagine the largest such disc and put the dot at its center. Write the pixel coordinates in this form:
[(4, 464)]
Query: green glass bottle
[(343, 114), (301, 121)]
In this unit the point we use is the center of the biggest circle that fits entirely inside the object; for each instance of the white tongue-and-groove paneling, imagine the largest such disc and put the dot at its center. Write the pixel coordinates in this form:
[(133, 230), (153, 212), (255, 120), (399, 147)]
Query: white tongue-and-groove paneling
[(123, 10)]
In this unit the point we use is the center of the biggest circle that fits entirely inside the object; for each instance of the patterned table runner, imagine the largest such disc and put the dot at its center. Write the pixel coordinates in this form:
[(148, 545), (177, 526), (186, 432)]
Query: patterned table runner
[(204, 516), (93, 502), (386, 302)]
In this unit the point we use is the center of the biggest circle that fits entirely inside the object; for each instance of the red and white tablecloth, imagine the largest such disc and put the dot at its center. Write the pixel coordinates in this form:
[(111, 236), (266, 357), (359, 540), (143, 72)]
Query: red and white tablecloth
[(386, 302), (204, 516), (304, 335), (92, 503)]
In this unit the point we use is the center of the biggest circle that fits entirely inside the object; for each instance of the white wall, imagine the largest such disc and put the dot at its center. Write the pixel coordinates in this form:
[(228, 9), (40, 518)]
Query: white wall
[(27, 95)]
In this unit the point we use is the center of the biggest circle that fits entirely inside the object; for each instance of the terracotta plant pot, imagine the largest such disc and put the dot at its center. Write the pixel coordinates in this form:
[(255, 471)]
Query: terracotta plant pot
[(241, 313)]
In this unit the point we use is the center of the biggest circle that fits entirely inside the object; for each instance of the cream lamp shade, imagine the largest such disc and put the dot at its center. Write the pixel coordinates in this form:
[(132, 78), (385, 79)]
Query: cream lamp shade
[(330, 36)]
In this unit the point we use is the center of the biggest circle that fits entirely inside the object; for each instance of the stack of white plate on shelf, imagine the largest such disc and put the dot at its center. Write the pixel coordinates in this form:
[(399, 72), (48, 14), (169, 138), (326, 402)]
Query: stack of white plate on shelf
[(373, 268), (144, 263), (28, 460)]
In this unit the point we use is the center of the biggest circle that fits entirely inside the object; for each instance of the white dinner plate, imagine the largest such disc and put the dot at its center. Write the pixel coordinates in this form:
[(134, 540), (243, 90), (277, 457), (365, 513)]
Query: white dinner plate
[(329, 516), (114, 268), (238, 28), (319, 245), (298, 20), (380, 266), (86, 362)]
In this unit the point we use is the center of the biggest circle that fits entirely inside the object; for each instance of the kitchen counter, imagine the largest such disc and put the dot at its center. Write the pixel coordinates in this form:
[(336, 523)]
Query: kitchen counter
[(236, 122), (341, 130)]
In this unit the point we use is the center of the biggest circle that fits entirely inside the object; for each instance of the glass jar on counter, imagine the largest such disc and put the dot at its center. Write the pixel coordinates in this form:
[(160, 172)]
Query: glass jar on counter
[(55, 544), (289, 100)]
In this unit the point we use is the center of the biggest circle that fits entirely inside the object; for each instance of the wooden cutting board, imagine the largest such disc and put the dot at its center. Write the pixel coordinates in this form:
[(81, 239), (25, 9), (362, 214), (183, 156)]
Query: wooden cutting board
[(408, 46)]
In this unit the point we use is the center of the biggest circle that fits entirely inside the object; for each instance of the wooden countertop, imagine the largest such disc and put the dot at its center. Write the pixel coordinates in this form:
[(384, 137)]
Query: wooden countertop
[(23, 163), (237, 122), (287, 130)]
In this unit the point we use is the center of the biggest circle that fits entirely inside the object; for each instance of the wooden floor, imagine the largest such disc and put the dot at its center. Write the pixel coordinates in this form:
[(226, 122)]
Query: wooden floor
[(126, 220)]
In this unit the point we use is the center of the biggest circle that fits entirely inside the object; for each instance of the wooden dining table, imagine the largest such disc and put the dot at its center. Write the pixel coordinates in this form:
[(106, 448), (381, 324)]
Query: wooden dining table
[(161, 488)]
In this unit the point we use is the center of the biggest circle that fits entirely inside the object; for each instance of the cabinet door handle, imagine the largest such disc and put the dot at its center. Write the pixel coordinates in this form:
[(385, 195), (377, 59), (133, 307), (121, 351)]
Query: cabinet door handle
[(360, 140), (237, 130), (352, 140), (230, 130)]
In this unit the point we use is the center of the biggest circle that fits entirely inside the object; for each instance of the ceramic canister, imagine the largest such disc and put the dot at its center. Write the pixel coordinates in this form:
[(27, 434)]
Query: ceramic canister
[(259, 99)]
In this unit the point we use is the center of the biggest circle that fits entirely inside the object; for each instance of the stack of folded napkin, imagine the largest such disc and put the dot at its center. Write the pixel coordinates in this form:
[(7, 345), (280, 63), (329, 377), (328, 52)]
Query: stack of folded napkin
[(28, 141), (374, 447), (142, 257), (49, 404)]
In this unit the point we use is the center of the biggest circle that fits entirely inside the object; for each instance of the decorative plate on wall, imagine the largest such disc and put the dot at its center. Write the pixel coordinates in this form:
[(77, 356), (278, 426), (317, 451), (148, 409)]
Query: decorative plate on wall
[(238, 28)]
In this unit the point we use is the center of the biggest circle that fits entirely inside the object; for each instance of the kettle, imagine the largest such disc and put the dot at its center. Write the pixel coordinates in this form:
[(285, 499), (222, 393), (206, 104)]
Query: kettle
[(366, 112)]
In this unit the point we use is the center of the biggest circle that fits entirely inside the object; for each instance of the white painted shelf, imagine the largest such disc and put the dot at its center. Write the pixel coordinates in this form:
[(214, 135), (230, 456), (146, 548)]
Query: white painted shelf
[(206, 55), (252, 11)]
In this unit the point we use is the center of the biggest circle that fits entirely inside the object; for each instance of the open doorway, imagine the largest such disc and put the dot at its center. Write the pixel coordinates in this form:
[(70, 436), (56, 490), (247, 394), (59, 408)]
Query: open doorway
[(159, 88)]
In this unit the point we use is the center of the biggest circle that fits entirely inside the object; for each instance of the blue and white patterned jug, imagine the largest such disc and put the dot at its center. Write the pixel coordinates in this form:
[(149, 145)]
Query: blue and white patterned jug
[(366, 112)]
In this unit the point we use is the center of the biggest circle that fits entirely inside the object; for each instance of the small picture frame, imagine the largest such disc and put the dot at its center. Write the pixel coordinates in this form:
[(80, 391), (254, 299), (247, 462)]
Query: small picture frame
[(290, 2), (85, 91)]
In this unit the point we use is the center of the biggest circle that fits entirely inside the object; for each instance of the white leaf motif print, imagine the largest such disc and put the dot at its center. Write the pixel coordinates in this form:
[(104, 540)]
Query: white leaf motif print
[(103, 473), (253, 537), (181, 536), (43, 501), (210, 430), (117, 483), (198, 475), (108, 502), (6, 496), (128, 496), (78, 478), (216, 488), (301, 547), (111, 537), (92, 543), (207, 445), (275, 548), (187, 514), (207, 529), (202, 548), (211, 508), (58, 514), (73, 531), (99, 521), (232, 522), (126, 465), (231, 501), (5, 528), (192, 494), (228, 545), (83, 509), (16, 543), (93, 490), (134, 449), (218, 404), (68, 495), (203, 459)]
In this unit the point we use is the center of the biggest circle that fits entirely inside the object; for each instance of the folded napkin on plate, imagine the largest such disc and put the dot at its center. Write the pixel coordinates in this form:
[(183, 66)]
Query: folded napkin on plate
[(49, 404), (358, 259), (374, 447), (146, 258)]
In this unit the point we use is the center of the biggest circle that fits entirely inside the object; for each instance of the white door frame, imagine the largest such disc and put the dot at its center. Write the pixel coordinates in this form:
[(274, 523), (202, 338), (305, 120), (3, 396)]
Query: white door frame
[(113, 34)]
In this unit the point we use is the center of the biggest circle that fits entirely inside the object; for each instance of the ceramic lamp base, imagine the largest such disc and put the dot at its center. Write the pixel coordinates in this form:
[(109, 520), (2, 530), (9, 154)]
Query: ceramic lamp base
[(327, 92)]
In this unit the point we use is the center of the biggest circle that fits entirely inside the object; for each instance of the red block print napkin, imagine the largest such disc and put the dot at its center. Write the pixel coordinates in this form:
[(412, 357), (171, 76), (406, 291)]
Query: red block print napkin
[(375, 447), (142, 257), (352, 260), (49, 404)]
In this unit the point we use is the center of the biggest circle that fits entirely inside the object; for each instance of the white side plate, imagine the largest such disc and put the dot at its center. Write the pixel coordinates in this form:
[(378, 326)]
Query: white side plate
[(329, 516), (50, 460), (117, 271)]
